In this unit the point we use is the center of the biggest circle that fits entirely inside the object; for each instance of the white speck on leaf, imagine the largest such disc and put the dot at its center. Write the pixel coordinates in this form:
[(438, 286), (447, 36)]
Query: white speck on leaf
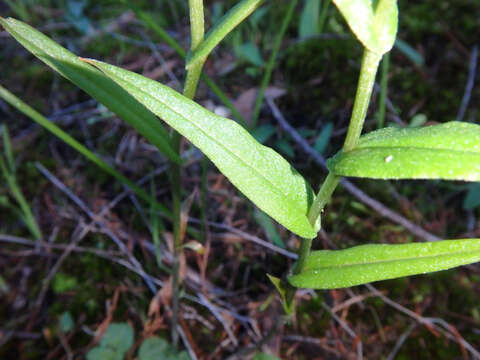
[(389, 158)]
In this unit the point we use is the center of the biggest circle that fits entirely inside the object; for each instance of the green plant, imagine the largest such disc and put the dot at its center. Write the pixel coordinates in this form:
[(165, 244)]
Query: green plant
[(8, 170), (449, 151), (119, 338)]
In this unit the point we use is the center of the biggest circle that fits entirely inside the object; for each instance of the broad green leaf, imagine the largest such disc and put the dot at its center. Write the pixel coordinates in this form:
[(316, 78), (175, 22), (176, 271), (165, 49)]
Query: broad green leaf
[(367, 263), (118, 337), (257, 171), (66, 322), (227, 23), (155, 348), (100, 353), (374, 26), (449, 151), (93, 82)]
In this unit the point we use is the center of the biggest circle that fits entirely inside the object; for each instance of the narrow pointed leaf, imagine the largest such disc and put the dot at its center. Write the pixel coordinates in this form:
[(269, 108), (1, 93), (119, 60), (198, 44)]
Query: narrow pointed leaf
[(94, 83), (375, 28), (385, 24), (367, 263), (449, 151), (81, 149), (257, 171), (359, 16), (226, 24)]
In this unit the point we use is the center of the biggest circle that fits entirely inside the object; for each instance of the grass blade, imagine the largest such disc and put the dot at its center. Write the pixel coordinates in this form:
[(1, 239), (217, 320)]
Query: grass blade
[(93, 82), (449, 151), (367, 263), (258, 172), (55, 130)]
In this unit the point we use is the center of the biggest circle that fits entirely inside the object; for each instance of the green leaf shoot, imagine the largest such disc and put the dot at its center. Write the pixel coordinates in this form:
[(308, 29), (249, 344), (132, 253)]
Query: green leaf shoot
[(260, 173), (363, 264), (374, 27), (450, 151)]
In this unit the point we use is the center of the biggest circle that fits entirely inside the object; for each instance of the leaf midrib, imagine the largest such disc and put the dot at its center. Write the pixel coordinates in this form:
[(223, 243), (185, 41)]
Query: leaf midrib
[(221, 145), (389, 261), (93, 84), (360, 147)]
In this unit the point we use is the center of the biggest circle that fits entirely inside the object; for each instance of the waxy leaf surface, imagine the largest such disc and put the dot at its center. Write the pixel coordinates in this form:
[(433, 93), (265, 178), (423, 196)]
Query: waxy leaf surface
[(375, 28), (94, 83), (449, 151), (367, 263), (257, 171)]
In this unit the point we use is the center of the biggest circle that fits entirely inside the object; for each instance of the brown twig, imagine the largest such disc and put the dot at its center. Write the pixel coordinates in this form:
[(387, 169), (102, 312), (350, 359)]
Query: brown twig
[(469, 86)]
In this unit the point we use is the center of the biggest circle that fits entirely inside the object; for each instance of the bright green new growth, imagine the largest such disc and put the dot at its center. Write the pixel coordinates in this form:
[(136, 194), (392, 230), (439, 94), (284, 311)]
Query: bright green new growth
[(93, 82), (376, 28), (226, 24), (260, 173), (366, 263), (449, 151)]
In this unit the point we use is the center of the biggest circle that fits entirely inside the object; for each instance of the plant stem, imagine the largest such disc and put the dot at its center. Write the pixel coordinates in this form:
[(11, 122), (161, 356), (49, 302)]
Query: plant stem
[(271, 62), (368, 71), (150, 22), (323, 196), (197, 32), (383, 91)]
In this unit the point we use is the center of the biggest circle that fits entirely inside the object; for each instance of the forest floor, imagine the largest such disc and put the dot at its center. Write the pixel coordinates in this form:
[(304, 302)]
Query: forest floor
[(60, 293)]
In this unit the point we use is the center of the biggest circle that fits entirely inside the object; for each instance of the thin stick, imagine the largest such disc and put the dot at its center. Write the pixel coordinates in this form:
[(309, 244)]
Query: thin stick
[(401, 340), (347, 329), (469, 87), (95, 218)]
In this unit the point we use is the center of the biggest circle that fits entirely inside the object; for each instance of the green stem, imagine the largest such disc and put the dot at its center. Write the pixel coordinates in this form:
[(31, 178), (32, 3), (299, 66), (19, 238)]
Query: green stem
[(150, 22), (323, 196), (368, 71), (383, 91), (197, 31), (271, 62), (366, 81)]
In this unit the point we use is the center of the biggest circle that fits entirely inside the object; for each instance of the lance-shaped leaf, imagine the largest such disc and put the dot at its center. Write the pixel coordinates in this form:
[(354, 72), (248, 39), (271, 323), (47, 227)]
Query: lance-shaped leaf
[(385, 24), (94, 83), (367, 263), (257, 171), (226, 24), (375, 27), (449, 151)]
